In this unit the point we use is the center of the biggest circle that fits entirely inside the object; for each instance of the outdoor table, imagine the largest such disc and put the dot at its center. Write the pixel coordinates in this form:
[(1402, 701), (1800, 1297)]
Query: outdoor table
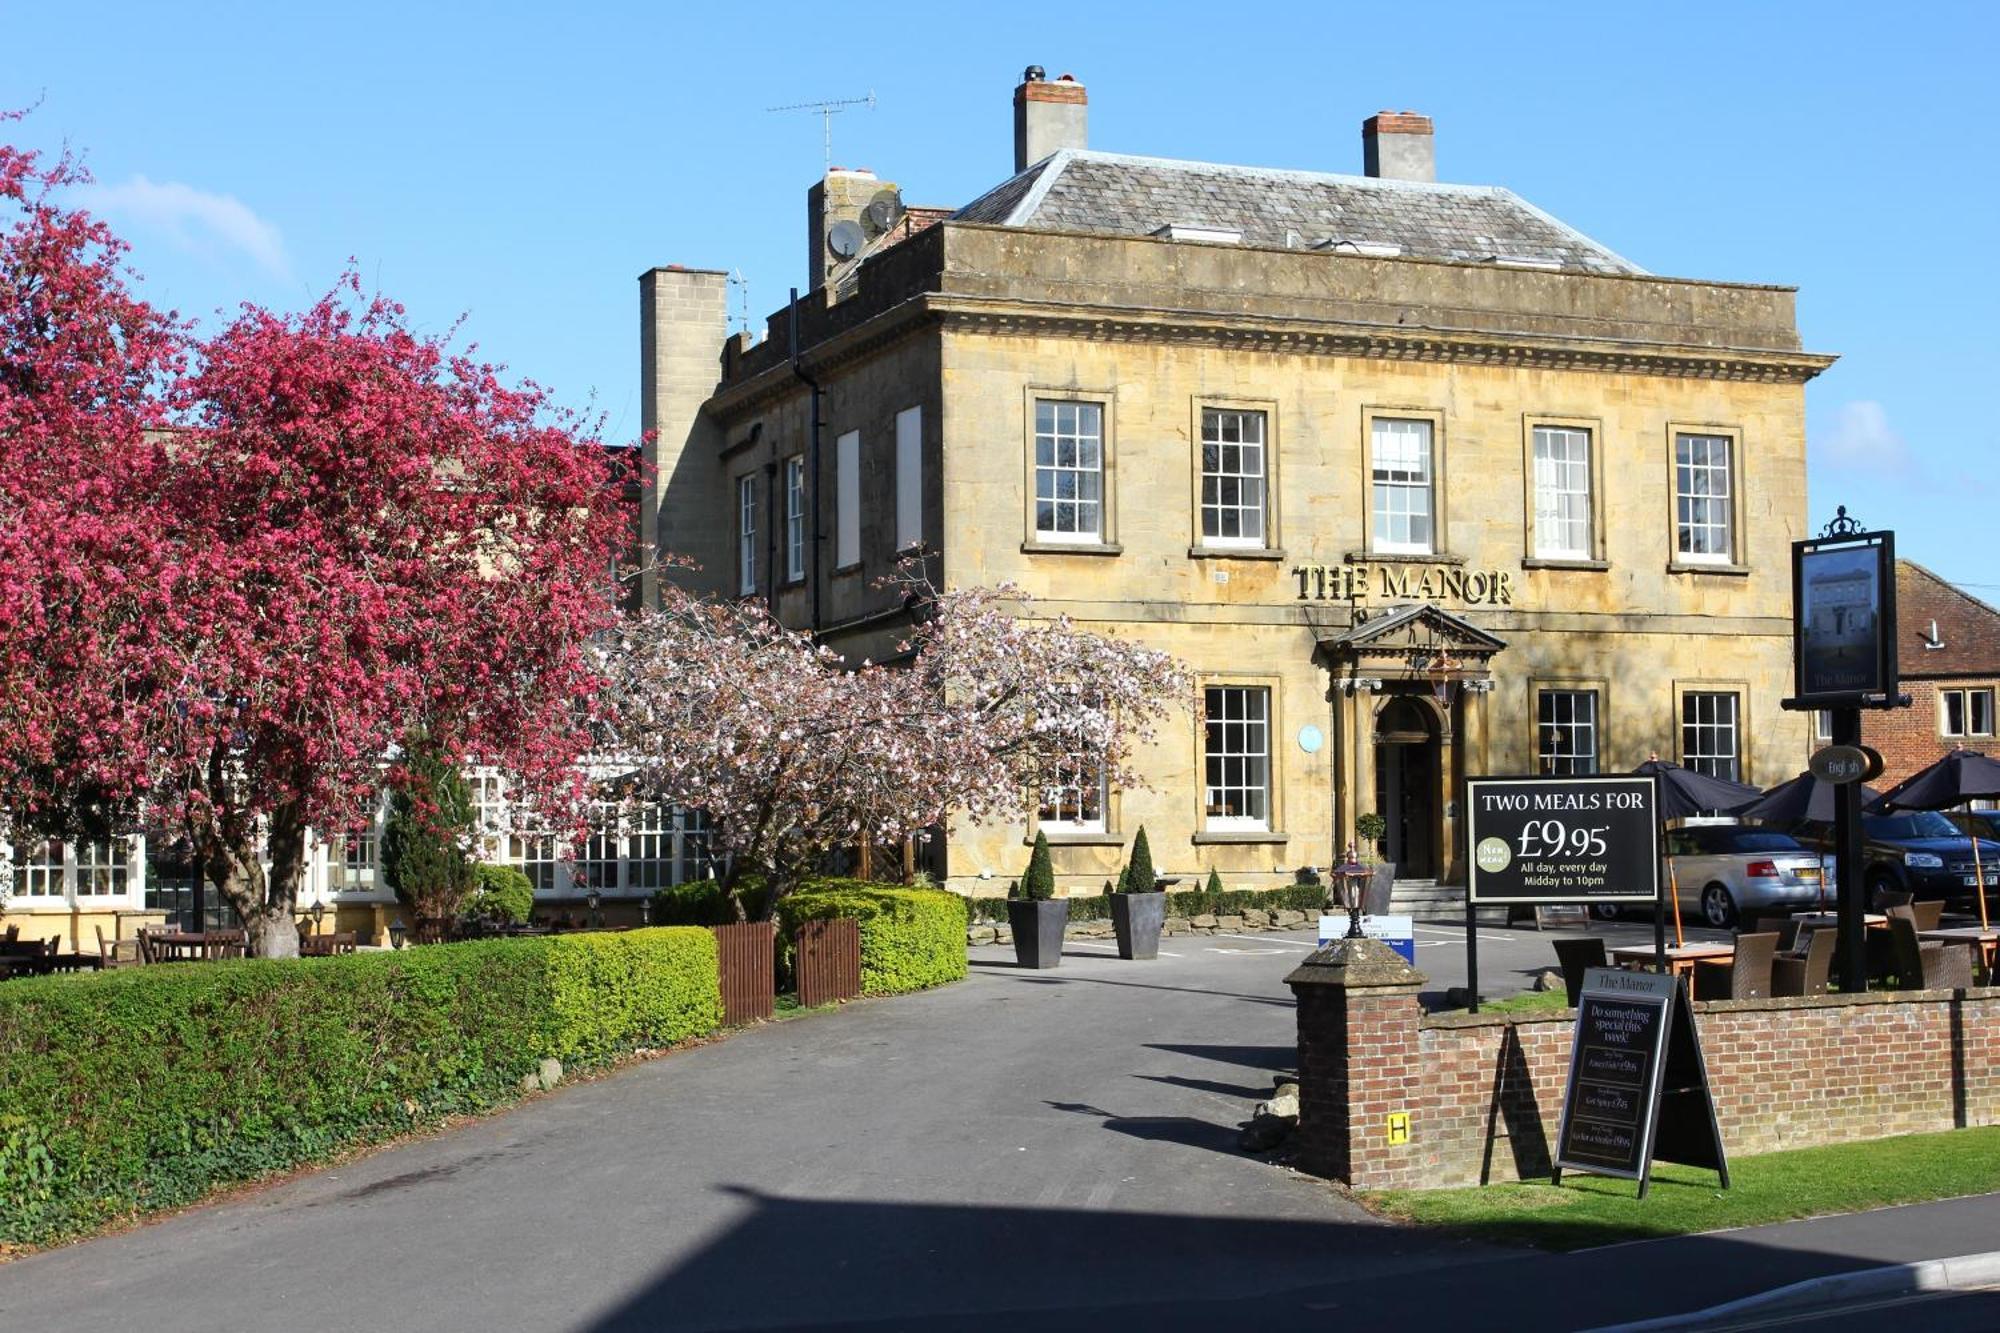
[(1987, 940), (1681, 958), (72, 962), (1819, 920)]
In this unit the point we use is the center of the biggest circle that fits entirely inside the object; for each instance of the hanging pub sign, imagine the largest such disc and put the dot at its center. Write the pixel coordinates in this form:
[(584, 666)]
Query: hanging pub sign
[(1576, 839), (1844, 620), (1638, 1087)]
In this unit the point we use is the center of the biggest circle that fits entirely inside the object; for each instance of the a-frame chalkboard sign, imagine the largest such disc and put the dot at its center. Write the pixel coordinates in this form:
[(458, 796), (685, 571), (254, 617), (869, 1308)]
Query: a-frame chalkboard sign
[(1638, 1087)]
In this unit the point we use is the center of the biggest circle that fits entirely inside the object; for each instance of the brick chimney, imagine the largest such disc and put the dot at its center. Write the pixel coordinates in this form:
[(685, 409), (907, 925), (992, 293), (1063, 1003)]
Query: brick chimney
[(1398, 145), (1048, 116)]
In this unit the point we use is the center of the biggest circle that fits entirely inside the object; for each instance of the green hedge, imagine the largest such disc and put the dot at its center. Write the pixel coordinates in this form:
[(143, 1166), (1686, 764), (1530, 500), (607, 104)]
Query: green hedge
[(144, 1088), (1308, 898), (701, 902), (910, 938)]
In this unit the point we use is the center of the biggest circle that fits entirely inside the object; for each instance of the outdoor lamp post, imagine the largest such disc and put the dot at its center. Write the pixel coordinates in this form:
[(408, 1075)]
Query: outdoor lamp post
[(1350, 883), (318, 914), (396, 932), (591, 900)]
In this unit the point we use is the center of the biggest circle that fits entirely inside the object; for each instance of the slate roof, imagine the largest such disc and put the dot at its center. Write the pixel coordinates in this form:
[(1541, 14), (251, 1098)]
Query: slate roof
[(1083, 190)]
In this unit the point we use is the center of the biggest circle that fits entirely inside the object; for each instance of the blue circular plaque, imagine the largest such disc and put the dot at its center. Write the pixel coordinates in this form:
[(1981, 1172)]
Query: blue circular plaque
[(1310, 739)]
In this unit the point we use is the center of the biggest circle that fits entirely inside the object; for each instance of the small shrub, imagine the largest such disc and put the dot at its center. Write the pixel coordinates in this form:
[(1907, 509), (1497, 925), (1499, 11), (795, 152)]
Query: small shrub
[(1139, 876), (910, 938), (702, 902), (1307, 898), (505, 893), (1214, 884), (1039, 884)]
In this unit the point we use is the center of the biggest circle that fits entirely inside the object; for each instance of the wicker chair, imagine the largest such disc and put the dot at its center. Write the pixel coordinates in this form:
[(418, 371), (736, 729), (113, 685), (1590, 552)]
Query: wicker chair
[(1926, 964), (1746, 976), (1805, 972), (1927, 914), (1577, 957)]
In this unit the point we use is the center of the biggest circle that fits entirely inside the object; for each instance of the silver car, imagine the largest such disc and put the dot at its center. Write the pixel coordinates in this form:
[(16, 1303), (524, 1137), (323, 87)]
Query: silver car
[(1724, 870)]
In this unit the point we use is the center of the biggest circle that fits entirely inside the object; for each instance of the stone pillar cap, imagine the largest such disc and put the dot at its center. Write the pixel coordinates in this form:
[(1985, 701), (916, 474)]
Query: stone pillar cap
[(1354, 964)]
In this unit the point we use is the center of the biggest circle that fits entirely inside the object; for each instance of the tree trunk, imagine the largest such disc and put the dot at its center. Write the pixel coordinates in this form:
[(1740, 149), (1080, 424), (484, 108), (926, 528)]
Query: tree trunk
[(231, 857)]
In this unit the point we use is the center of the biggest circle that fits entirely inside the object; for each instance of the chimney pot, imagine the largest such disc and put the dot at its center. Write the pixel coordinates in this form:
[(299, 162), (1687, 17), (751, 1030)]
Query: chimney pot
[(1048, 117), (1399, 146)]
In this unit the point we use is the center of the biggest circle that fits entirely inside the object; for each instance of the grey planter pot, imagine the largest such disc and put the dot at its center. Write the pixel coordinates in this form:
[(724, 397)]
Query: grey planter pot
[(1038, 930), (1137, 918)]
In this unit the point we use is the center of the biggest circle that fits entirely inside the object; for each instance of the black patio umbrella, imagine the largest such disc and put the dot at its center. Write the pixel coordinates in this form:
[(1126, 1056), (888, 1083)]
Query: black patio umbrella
[(1803, 797), (1685, 792), (1959, 778)]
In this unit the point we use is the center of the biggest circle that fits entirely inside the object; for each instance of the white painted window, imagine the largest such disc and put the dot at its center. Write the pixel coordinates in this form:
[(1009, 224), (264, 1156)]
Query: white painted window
[(795, 519), (909, 477), (1710, 737), (1233, 459), (1822, 724), (1404, 478), (1566, 731), (1074, 800), (746, 534), (1704, 493), (1237, 757), (57, 869), (1562, 493), (847, 500), (1967, 712), (1069, 471)]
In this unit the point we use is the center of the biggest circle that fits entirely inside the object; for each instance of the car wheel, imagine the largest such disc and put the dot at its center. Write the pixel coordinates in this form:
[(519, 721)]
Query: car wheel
[(1604, 911), (1717, 907), (1878, 885)]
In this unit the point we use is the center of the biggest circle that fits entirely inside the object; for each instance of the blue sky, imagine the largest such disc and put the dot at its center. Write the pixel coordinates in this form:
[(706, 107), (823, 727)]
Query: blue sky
[(520, 165)]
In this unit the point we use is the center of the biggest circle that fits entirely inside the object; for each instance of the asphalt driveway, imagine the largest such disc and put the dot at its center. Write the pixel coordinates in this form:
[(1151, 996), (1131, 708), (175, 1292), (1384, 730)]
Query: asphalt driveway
[(1019, 1141)]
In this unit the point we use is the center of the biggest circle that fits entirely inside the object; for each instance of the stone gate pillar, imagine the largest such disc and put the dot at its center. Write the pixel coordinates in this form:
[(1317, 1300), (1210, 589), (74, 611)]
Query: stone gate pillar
[(1359, 1062)]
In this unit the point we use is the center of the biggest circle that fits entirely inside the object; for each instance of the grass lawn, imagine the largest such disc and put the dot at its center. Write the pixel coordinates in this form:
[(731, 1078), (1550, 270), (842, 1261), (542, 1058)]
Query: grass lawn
[(1774, 1187), (1526, 1002)]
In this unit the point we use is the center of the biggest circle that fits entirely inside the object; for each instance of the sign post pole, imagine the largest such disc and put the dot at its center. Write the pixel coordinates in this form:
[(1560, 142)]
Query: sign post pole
[(1471, 956), (1853, 903)]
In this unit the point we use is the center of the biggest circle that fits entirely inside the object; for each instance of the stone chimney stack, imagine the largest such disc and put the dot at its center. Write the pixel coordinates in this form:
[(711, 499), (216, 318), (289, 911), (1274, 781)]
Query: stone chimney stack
[(683, 322), (1399, 146), (842, 198), (1048, 116)]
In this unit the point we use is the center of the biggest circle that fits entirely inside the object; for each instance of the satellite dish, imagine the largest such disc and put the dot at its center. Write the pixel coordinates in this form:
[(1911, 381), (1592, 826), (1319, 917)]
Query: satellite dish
[(844, 239), (883, 211)]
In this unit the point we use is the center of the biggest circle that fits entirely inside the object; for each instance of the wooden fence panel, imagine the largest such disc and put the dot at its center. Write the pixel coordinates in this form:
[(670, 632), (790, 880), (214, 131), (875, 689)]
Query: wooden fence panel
[(829, 961), (748, 988)]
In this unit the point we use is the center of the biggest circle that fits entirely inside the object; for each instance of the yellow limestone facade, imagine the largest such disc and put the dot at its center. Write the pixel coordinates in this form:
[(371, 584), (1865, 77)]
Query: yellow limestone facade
[(1554, 617)]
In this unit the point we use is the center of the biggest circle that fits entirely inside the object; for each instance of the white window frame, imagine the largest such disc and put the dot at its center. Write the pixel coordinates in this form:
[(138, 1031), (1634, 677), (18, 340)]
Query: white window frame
[(1390, 479), (1697, 504), (1565, 509), (795, 519), (1236, 727), (1712, 744), (354, 857), (1083, 439), (41, 881), (847, 500), (909, 478), (1241, 491), (1823, 724), (1557, 713), (1971, 701), (746, 534)]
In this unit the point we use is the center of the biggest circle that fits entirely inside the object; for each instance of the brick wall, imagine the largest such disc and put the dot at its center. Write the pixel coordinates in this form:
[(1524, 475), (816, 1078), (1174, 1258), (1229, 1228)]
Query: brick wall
[(1910, 738), (1487, 1089)]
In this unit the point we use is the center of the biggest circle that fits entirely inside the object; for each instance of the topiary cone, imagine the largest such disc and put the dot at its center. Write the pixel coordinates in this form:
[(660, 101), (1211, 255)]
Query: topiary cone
[(1039, 884), (1139, 876), (1214, 884)]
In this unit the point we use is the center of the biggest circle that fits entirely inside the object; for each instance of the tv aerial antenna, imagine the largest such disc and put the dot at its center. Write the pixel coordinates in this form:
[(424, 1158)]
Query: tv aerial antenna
[(742, 286), (826, 111)]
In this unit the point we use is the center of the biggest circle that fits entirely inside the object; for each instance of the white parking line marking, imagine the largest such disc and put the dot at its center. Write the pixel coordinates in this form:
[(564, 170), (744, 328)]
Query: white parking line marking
[(1086, 944), (1265, 939)]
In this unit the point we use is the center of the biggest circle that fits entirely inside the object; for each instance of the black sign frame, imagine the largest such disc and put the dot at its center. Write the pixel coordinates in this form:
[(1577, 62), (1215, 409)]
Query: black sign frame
[(1474, 837), (1815, 680), (1666, 1102)]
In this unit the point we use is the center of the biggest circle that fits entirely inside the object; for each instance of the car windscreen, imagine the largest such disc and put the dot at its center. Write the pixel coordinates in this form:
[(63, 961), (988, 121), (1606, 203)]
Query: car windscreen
[(1915, 824)]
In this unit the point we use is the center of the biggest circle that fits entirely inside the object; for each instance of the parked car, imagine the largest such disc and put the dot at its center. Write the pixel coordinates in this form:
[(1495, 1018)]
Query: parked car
[(1723, 871), (1984, 823), (1918, 852)]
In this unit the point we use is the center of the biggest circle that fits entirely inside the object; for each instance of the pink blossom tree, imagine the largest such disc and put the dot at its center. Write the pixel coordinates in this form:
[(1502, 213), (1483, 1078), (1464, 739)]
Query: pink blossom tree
[(81, 363), (793, 752), (372, 537)]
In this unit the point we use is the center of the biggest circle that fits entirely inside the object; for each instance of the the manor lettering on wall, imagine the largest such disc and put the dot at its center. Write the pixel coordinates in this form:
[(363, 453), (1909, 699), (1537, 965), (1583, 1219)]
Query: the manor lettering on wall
[(1422, 583)]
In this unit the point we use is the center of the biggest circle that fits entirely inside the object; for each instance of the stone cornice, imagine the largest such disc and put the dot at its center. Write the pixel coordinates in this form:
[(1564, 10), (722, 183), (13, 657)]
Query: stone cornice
[(1377, 342), (1002, 317)]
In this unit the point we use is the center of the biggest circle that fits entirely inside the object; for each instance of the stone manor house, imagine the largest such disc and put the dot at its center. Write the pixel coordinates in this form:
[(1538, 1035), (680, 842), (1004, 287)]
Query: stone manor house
[(1421, 481)]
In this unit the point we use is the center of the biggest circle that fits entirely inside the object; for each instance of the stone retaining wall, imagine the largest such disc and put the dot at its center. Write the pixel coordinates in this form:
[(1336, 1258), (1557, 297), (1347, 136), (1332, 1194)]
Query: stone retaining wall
[(1250, 921), (1483, 1092)]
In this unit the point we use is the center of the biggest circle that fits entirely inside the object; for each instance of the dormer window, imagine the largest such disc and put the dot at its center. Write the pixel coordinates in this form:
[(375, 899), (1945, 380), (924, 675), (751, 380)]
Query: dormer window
[(1185, 231)]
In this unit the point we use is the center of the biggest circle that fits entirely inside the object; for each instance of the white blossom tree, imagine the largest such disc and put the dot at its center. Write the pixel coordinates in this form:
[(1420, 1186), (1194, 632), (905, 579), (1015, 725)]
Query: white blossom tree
[(793, 752)]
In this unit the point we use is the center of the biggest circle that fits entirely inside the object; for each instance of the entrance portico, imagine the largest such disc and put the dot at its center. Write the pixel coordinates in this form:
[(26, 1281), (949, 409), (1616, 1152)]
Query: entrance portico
[(1408, 691)]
